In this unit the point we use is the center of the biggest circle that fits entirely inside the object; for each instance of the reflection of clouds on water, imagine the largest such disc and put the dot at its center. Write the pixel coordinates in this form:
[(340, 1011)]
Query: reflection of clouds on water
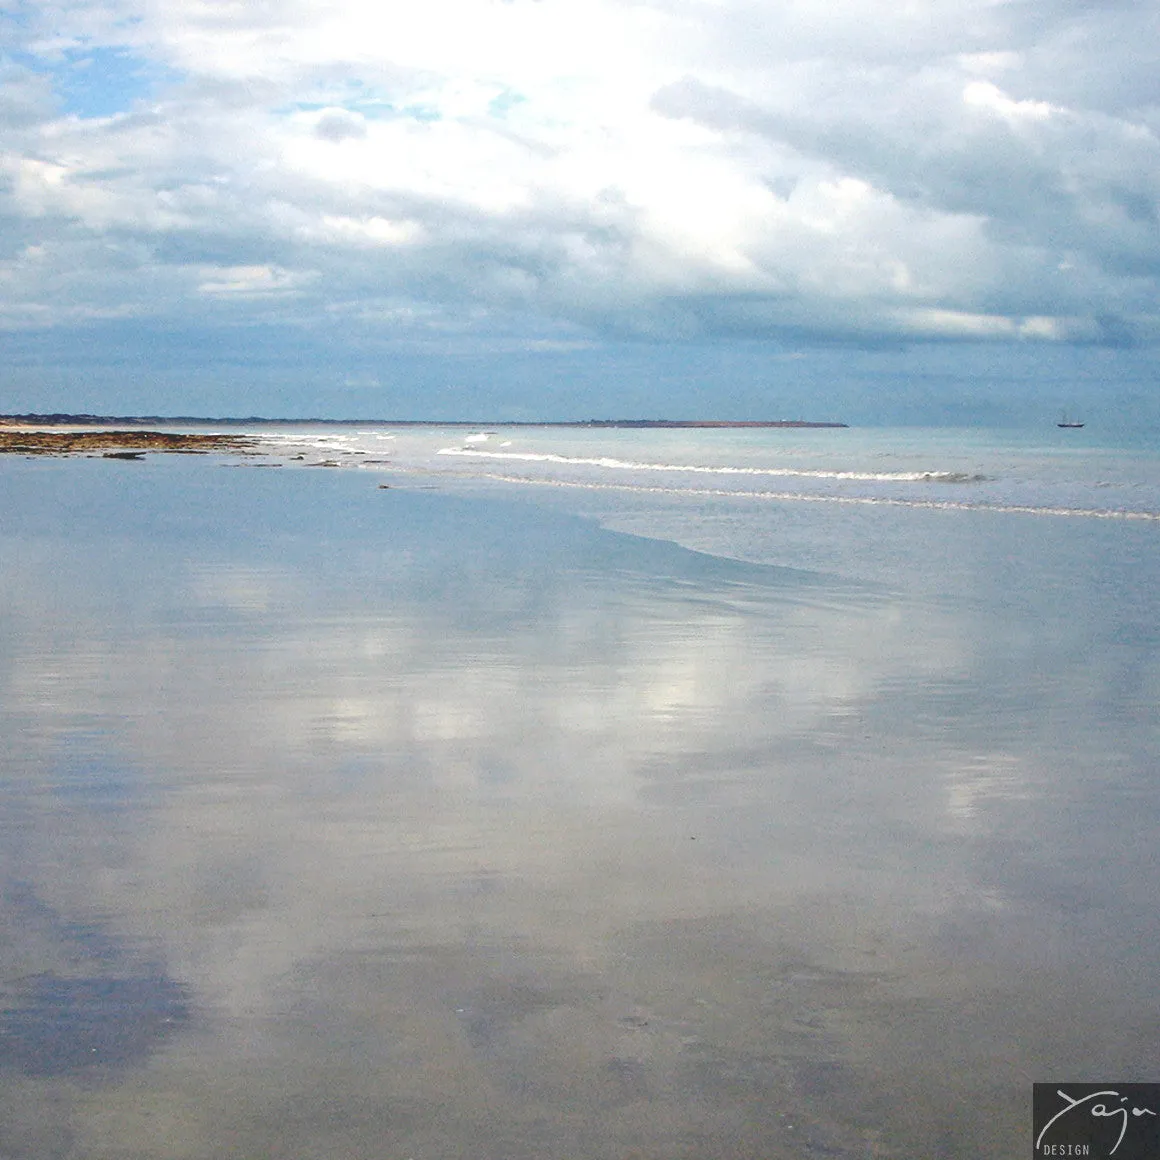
[(982, 781), (239, 589), (557, 826), (326, 783), (316, 757)]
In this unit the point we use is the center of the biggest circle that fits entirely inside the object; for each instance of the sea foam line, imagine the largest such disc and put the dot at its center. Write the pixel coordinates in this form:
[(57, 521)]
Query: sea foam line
[(629, 465), (872, 501)]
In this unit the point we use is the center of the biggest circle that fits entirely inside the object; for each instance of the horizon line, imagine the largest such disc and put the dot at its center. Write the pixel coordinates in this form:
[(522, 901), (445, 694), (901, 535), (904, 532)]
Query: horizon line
[(60, 418)]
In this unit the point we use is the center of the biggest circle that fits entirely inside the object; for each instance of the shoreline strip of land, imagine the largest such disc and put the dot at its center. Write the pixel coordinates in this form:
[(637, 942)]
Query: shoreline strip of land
[(116, 444), (61, 420)]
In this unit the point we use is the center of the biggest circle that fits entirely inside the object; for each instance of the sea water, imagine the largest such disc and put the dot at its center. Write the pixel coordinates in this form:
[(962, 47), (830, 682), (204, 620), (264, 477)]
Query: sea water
[(551, 792), (766, 475)]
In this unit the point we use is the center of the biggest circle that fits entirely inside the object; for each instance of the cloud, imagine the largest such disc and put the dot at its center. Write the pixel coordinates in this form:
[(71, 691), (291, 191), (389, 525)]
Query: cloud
[(247, 281), (690, 169), (337, 125)]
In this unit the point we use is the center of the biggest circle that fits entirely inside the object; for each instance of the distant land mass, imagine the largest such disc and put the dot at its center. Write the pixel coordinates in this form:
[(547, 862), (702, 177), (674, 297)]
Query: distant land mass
[(147, 420)]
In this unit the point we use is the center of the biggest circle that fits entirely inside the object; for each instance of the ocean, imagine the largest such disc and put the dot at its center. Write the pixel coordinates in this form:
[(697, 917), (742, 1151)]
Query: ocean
[(688, 484), (546, 792)]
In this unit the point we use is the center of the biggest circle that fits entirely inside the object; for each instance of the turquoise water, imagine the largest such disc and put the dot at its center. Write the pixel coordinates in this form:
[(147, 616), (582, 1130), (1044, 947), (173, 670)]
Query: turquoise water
[(1049, 472), (526, 817)]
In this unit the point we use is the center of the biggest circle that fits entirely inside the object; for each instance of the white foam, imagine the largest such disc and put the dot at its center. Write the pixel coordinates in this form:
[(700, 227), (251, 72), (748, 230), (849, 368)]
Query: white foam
[(872, 501), (698, 469)]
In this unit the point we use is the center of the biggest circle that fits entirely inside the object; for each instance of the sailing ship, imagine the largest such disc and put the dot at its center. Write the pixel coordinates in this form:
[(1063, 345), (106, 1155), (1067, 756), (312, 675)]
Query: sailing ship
[(1064, 421)]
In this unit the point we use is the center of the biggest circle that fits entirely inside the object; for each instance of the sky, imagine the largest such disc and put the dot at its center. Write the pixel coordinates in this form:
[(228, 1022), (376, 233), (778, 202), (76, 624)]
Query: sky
[(915, 211)]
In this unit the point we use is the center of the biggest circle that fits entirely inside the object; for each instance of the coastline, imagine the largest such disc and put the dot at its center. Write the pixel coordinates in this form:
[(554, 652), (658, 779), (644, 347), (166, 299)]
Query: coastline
[(16, 422), (115, 444)]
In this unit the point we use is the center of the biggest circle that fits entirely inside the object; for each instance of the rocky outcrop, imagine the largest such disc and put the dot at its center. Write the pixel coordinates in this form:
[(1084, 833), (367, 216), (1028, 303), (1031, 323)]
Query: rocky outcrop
[(116, 444)]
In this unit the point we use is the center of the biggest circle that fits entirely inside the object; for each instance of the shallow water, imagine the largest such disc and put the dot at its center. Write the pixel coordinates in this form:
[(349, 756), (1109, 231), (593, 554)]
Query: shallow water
[(340, 821), (1046, 473)]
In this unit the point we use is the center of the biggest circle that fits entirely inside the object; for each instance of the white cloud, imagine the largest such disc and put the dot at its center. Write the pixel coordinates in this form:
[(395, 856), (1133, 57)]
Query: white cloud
[(677, 167), (984, 95), (247, 280)]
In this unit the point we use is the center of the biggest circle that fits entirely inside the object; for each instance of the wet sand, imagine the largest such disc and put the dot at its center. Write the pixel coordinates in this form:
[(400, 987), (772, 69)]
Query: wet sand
[(355, 823)]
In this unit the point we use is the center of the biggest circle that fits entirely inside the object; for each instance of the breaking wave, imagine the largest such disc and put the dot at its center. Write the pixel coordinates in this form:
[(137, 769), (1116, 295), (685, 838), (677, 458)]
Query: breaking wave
[(794, 472), (874, 501)]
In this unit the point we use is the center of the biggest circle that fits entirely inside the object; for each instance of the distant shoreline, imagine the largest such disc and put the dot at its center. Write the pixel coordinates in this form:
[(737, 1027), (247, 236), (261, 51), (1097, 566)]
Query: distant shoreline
[(55, 420)]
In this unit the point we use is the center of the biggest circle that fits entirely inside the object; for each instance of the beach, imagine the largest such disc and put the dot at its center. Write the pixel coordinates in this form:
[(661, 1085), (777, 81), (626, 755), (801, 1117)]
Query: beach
[(518, 793), (17, 440)]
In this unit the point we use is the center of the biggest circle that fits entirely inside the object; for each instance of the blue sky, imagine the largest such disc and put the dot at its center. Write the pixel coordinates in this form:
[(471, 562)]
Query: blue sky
[(940, 211)]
